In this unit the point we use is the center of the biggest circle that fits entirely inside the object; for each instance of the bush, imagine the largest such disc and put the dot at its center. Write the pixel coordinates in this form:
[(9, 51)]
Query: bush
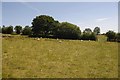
[(118, 37), (0, 29), (111, 36), (7, 30), (88, 36), (68, 31), (18, 29), (93, 37), (96, 30), (87, 30), (27, 31)]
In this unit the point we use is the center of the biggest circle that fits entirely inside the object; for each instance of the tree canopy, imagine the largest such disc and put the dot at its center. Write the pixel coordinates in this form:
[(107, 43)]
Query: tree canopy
[(18, 29), (27, 30), (68, 30), (42, 25), (7, 30), (111, 35), (87, 30), (96, 30)]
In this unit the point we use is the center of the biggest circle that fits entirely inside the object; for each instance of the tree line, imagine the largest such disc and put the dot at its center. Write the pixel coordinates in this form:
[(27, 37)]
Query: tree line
[(46, 26)]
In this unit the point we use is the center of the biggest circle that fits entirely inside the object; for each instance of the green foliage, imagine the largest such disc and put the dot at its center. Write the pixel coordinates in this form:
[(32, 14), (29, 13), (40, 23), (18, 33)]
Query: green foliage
[(93, 36), (0, 29), (111, 36), (96, 30), (10, 30), (18, 29), (43, 25), (118, 37), (7, 30), (68, 31), (88, 36), (27, 31), (4, 30), (87, 30)]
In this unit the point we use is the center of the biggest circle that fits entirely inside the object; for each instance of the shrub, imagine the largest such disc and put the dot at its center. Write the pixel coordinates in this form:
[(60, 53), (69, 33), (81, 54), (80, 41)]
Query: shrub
[(68, 31), (18, 29), (96, 30), (88, 36), (111, 36), (27, 31), (7, 30), (118, 37)]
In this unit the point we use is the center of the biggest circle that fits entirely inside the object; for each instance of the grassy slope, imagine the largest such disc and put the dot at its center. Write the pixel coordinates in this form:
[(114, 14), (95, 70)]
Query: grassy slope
[(27, 57)]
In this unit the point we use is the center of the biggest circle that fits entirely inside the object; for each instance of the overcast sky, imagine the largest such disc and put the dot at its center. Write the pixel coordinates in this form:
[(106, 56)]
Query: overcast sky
[(83, 14)]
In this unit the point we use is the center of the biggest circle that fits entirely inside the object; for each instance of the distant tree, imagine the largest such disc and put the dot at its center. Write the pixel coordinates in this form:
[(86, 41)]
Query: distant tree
[(18, 29), (111, 35), (88, 36), (27, 30), (68, 31), (9, 29), (0, 29), (96, 30), (118, 37), (43, 25), (85, 36), (4, 30), (87, 30), (93, 36)]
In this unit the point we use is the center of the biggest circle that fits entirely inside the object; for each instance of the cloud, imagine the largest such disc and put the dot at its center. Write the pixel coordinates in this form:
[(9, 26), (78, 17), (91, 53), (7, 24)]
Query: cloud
[(101, 19)]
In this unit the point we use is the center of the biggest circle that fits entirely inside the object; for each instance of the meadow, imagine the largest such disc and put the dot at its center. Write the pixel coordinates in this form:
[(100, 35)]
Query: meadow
[(24, 57)]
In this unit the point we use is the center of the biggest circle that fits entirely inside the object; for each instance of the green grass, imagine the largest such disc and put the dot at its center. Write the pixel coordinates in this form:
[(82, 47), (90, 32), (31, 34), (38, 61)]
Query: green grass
[(48, 58)]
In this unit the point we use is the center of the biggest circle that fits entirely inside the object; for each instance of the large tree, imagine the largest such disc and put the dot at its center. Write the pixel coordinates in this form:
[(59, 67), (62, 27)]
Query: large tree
[(18, 29), (96, 30), (43, 25)]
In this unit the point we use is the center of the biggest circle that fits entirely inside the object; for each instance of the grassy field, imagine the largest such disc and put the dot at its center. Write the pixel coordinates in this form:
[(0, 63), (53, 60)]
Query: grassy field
[(25, 57)]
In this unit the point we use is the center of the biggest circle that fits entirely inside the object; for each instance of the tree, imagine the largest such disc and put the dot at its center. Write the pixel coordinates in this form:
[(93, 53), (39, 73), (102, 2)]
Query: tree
[(87, 30), (88, 35), (9, 29), (27, 31), (85, 36), (118, 37), (111, 35), (68, 31), (93, 36), (43, 25), (0, 29), (18, 29), (4, 31), (96, 30)]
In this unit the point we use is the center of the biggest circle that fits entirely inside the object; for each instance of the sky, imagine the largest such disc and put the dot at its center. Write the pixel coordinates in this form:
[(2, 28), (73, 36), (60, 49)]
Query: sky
[(82, 14)]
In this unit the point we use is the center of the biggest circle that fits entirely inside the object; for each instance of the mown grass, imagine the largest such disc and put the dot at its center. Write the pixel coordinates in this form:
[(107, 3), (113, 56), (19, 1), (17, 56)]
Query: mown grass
[(25, 57)]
